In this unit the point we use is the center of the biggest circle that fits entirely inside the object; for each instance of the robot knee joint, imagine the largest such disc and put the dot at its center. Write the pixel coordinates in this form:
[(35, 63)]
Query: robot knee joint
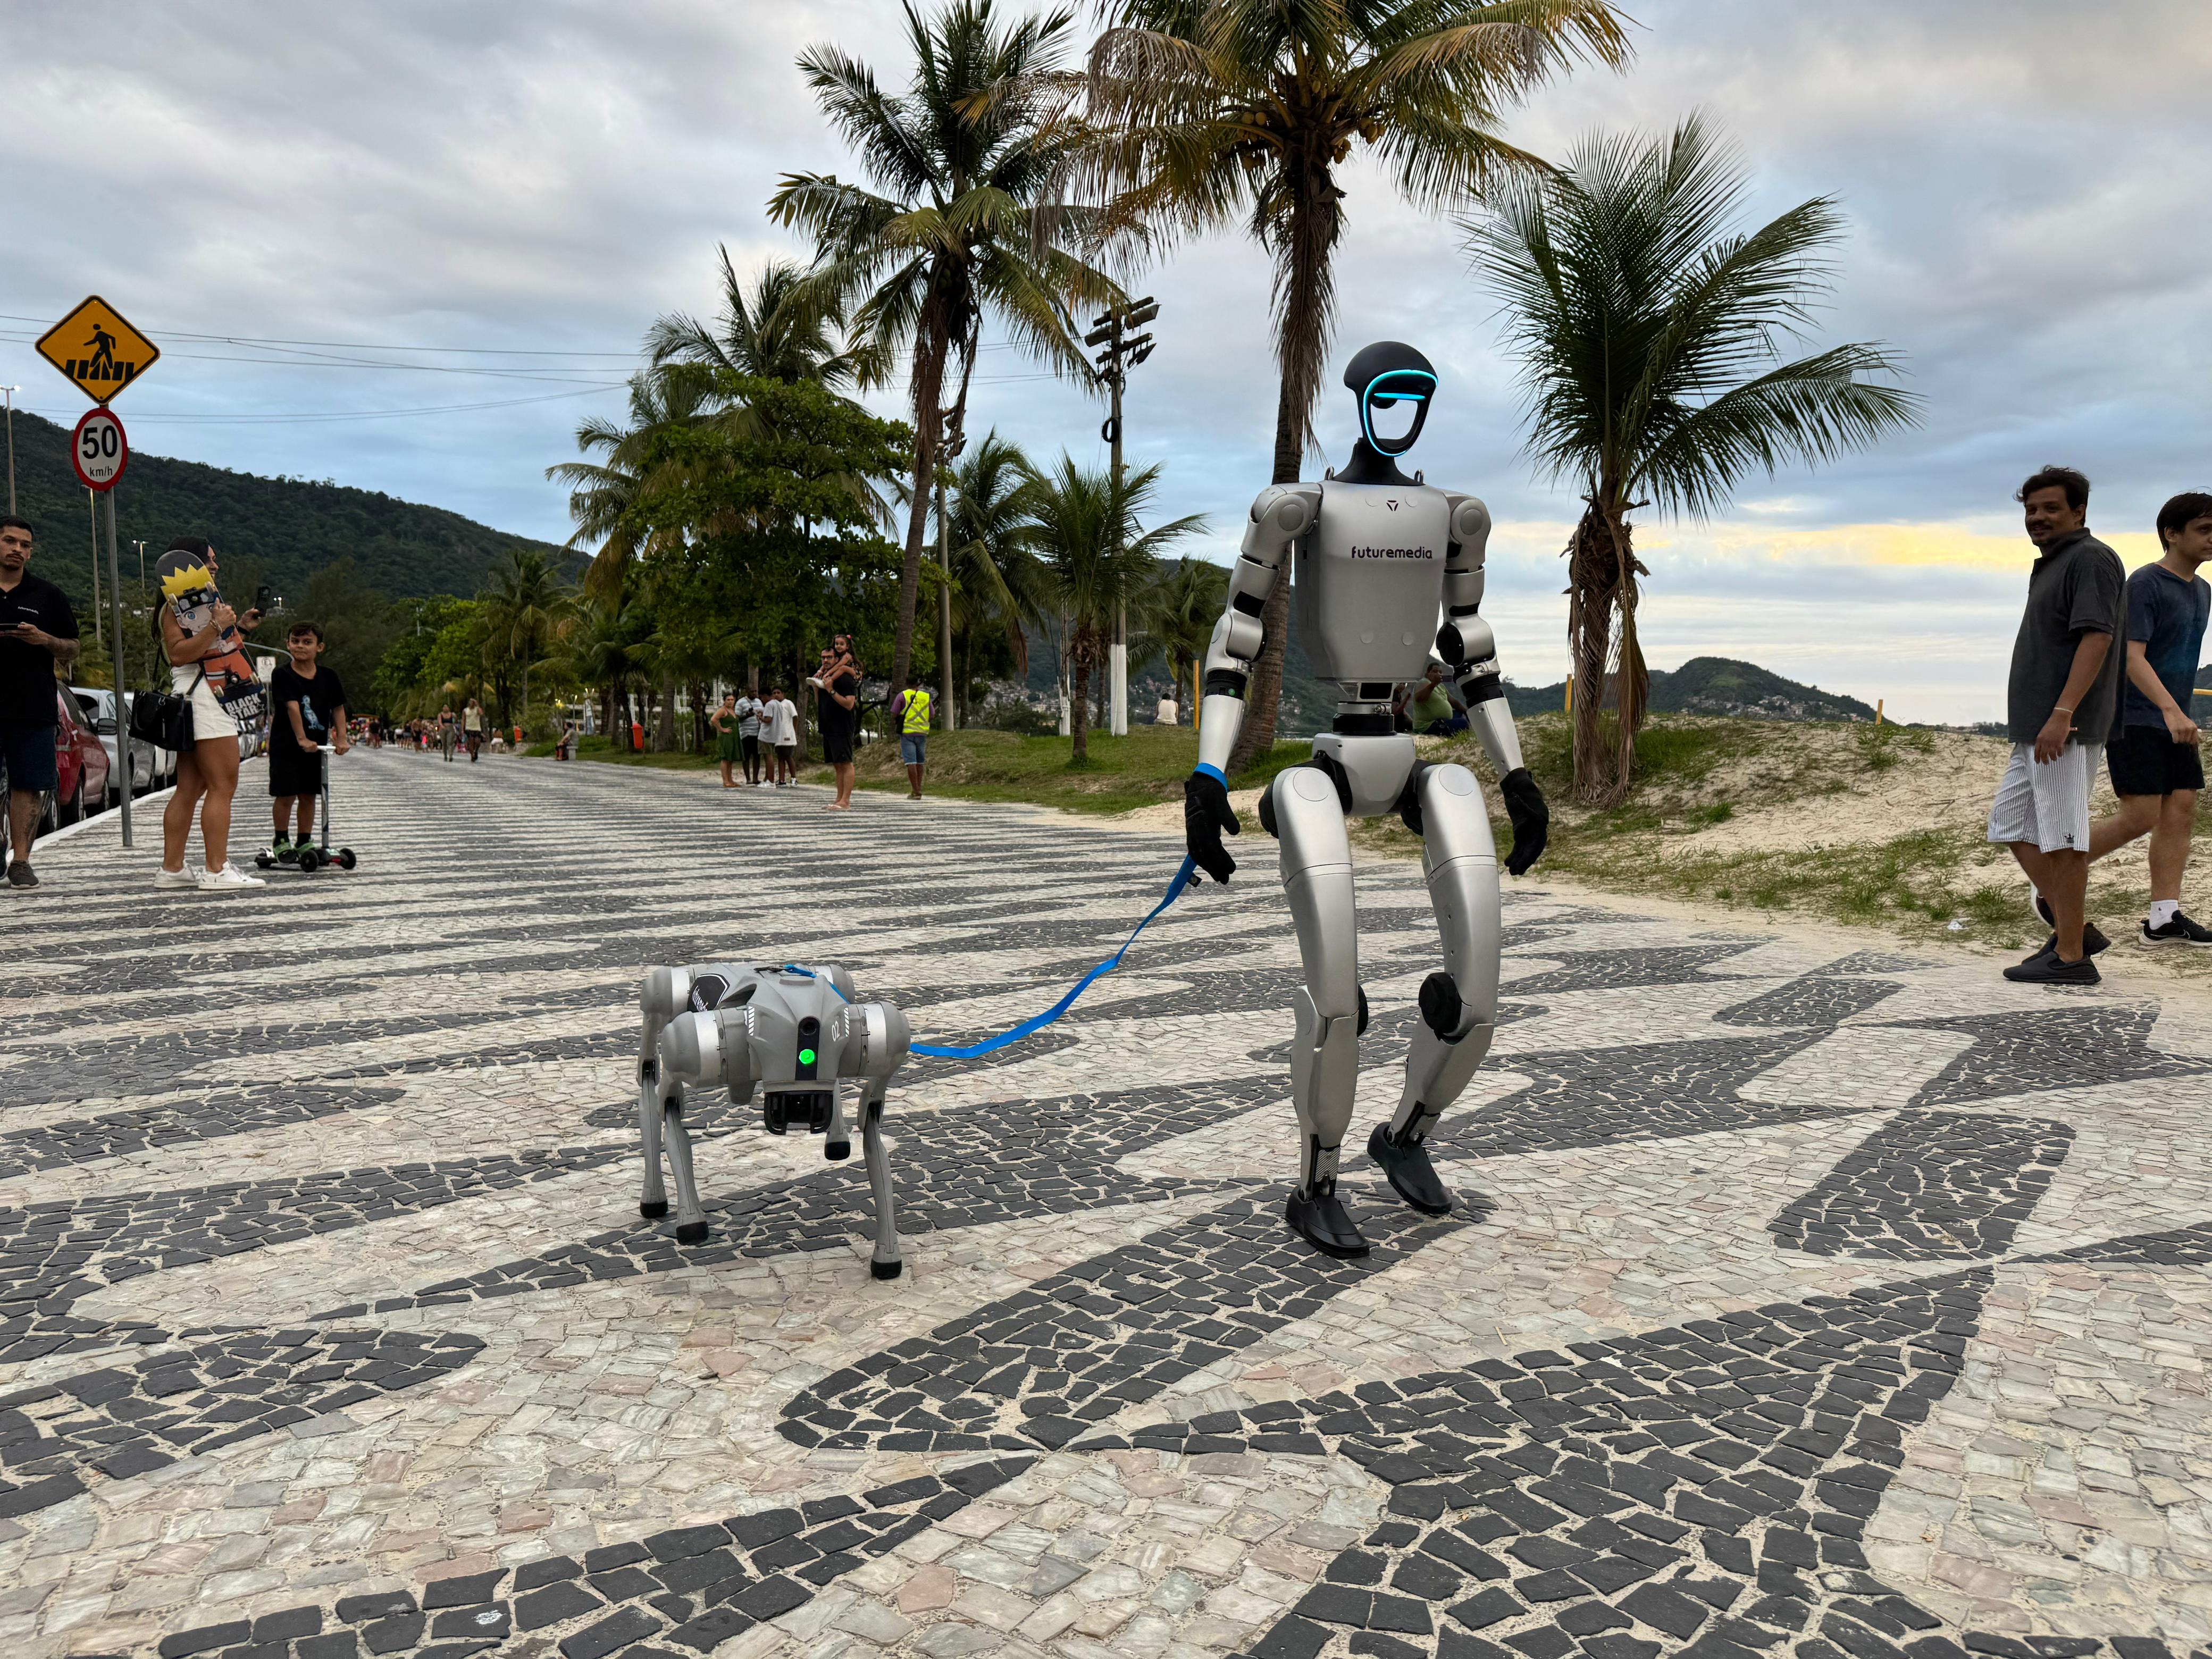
[(1443, 1009)]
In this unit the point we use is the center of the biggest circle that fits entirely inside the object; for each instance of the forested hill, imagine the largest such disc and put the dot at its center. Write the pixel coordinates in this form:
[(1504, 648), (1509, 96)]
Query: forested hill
[(285, 528), (1717, 685)]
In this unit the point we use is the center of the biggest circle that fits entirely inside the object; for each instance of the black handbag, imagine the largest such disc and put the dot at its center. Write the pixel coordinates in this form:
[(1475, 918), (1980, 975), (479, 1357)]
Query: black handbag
[(164, 719)]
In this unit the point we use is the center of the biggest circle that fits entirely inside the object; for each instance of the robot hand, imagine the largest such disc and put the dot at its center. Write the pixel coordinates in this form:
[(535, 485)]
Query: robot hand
[(1532, 819), (1206, 814)]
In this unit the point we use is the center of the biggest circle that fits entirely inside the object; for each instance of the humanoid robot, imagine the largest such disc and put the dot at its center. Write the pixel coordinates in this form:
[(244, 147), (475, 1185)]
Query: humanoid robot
[(796, 1034), (1375, 553)]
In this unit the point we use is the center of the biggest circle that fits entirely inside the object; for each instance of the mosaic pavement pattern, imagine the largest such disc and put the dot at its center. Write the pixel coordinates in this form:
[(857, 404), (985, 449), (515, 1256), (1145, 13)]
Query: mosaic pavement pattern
[(1804, 1298)]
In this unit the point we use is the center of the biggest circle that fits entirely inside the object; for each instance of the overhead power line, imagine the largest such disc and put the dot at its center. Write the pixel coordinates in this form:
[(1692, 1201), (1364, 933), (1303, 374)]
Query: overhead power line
[(293, 415)]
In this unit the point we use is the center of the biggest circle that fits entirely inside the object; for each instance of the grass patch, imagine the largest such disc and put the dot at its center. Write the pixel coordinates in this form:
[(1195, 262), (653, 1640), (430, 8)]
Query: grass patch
[(1120, 774)]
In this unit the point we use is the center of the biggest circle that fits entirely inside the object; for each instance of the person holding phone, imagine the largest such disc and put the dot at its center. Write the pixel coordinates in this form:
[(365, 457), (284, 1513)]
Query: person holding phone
[(38, 631)]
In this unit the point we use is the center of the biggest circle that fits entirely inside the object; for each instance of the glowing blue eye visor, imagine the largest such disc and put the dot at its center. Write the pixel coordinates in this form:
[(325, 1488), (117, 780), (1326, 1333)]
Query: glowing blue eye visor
[(1385, 390)]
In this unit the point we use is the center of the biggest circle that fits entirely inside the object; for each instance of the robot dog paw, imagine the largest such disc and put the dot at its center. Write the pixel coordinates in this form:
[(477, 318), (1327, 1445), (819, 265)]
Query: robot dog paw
[(1412, 1175), (653, 1212), (886, 1269), (691, 1232), (1323, 1222)]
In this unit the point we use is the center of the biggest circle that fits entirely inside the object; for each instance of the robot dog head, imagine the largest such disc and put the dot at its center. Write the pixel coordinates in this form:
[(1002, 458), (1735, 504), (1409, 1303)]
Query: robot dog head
[(1384, 375)]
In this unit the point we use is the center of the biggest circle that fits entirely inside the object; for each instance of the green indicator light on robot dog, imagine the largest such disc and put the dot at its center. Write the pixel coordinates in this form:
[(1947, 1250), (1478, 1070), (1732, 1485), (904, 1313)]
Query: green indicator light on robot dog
[(806, 1056)]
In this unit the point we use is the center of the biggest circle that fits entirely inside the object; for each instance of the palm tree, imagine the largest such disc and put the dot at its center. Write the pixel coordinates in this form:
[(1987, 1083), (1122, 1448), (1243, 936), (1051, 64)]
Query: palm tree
[(525, 604), (997, 580), (602, 645), (1211, 111), (1649, 329), (964, 221), (1178, 611), (781, 331), (1096, 560), (603, 494)]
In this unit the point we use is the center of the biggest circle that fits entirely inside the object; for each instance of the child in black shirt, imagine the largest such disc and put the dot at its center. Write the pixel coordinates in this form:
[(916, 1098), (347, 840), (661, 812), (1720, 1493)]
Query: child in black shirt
[(310, 712)]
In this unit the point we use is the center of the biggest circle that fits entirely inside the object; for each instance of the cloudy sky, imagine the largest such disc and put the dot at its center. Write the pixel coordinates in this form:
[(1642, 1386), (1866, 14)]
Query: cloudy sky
[(408, 245)]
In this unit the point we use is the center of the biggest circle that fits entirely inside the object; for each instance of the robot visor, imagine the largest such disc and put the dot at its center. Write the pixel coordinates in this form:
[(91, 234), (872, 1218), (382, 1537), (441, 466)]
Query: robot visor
[(1394, 407)]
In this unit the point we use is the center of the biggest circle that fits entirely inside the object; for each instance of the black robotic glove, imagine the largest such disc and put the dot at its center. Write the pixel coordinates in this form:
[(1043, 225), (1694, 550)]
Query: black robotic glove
[(1532, 818), (1206, 814)]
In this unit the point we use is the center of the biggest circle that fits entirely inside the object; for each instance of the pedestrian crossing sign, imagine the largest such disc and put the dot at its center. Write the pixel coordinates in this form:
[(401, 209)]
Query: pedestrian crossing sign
[(98, 350)]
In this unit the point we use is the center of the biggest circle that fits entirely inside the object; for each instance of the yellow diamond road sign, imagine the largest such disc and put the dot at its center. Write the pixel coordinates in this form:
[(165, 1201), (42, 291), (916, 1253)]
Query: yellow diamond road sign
[(97, 351)]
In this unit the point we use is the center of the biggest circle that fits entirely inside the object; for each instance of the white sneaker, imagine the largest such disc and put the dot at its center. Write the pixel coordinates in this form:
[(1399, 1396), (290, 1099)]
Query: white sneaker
[(229, 879), (186, 877)]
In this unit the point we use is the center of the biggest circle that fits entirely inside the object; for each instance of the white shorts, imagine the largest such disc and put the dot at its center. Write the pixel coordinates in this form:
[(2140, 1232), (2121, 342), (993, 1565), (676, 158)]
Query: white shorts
[(2048, 805), (209, 718)]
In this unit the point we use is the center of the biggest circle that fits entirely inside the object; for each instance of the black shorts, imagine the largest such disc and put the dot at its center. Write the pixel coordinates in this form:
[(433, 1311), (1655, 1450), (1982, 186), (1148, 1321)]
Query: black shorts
[(27, 756), (293, 770), (2145, 759), (837, 745)]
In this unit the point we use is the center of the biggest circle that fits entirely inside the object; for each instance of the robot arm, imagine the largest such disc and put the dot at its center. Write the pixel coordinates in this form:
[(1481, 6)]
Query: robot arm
[(1280, 514), (1469, 649)]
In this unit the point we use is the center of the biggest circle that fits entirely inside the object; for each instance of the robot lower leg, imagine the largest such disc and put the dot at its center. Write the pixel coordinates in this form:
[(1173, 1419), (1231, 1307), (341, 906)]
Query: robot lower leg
[(1459, 1007), (1316, 863)]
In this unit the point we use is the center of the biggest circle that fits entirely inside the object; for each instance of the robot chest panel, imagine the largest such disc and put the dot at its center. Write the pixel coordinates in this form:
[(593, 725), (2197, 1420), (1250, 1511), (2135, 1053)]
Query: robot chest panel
[(1369, 578)]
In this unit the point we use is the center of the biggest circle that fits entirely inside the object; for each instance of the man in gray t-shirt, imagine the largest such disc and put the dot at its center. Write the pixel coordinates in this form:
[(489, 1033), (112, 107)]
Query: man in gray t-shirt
[(2059, 703)]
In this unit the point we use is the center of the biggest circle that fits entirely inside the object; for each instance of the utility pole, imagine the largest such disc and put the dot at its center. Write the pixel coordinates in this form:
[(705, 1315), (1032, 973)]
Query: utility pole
[(141, 546), (1123, 351), (10, 392)]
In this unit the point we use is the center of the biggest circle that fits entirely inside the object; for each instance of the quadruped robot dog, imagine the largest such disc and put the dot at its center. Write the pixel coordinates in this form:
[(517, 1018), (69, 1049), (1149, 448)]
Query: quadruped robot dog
[(796, 1035), (1375, 554)]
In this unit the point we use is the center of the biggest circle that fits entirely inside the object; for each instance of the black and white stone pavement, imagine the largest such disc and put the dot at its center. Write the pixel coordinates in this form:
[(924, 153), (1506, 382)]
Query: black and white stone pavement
[(1806, 1297)]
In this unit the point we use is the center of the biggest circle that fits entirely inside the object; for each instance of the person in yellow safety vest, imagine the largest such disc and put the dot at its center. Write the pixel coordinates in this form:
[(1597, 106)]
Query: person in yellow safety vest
[(914, 736)]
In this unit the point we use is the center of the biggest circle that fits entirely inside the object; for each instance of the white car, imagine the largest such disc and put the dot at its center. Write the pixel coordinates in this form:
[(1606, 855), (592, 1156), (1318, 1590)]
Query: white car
[(150, 768)]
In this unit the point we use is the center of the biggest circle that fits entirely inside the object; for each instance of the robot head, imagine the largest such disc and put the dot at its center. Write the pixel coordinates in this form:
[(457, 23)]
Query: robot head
[(1391, 377), (792, 1033)]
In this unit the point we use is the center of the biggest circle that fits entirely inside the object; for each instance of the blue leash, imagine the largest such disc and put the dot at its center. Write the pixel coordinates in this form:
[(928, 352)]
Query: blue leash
[(1184, 877)]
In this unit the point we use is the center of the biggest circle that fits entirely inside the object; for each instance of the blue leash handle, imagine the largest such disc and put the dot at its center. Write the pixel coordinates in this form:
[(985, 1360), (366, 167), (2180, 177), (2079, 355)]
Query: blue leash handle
[(1184, 877)]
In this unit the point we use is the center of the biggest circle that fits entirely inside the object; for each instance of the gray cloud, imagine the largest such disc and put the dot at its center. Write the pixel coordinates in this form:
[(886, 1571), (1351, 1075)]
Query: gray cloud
[(2019, 177)]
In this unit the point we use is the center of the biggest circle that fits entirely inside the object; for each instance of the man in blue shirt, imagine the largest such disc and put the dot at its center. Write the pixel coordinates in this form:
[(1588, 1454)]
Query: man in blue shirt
[(2152, 750)]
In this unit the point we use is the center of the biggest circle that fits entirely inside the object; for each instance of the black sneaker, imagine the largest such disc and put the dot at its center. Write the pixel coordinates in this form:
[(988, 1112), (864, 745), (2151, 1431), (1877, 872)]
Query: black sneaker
[(1323, 1221), (2093, 942), (2179, 930), (2044, 968), (1412, 1175), (20, 874)]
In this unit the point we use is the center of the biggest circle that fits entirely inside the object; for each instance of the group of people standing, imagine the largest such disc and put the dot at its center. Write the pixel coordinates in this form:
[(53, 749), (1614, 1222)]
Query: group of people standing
[(2104, 669), (745, 724)]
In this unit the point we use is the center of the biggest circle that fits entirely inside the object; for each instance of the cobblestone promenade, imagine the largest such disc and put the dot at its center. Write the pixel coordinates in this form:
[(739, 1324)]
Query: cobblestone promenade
[(1809, 1296)]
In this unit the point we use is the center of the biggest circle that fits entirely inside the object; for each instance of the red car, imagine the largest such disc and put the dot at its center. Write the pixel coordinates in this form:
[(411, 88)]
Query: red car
[(81, 763)]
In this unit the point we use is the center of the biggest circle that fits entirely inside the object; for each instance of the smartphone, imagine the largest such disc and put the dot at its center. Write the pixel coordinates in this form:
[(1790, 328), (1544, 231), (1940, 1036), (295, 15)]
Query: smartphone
[(265, 599)]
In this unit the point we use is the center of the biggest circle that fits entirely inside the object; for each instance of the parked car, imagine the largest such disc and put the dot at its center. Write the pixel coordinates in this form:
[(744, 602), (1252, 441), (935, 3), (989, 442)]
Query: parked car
[(81, 763), (150, 768)]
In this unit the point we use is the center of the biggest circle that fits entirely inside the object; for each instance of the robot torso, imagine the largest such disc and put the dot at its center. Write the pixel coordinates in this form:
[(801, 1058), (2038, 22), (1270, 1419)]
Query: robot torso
[(1369, 582)]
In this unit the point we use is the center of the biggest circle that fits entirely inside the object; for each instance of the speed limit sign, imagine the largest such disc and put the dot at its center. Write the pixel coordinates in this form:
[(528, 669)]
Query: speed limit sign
[(99, 450)]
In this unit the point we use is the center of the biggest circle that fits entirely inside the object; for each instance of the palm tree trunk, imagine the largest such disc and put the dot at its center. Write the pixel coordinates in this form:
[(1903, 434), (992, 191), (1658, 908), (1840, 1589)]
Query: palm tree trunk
[(928, 382), (1602, 576), (1302, 327), (1079, 715), (665, 738)]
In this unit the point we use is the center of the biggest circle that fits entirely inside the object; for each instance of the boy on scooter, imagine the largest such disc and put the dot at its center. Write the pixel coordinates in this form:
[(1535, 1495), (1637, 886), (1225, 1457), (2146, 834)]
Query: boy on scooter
[(310, 712)]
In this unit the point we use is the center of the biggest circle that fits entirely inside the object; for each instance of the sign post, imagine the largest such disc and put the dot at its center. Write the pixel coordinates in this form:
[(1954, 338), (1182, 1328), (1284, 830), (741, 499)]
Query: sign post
[(98, 351), (100, 451)]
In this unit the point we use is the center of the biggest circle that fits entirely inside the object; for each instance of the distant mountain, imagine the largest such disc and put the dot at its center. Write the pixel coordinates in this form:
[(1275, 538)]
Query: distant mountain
[(1715, 685), (282, 530)]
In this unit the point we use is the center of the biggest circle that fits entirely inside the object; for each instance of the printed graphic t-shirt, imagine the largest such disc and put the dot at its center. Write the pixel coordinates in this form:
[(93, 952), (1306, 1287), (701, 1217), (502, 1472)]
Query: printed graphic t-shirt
[(229, 671), (320, 700)]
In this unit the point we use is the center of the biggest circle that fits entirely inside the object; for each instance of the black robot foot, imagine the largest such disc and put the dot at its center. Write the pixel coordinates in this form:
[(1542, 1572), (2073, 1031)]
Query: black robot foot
[(886, 1269), (1413, 1177), (1323, 1222), (653, 1212), (691, 1232)]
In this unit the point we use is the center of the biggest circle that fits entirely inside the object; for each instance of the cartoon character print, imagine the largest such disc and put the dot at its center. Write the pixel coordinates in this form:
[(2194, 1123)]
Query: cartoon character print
[(190, 588)]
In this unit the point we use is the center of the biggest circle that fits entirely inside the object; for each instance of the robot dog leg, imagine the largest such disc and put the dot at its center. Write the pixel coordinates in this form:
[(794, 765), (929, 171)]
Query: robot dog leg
[(1316, 863), (1459, 1007)]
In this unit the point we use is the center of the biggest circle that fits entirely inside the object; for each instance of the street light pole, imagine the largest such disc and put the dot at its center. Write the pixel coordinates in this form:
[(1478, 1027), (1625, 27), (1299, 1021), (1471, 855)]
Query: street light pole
[(1123, 351), (10, 392)]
